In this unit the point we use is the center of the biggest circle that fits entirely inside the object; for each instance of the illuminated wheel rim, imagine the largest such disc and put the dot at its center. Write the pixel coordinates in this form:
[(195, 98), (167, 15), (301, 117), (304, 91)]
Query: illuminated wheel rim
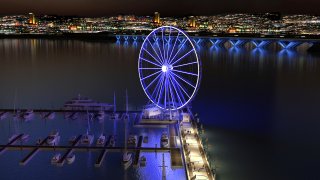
[(169, 68)]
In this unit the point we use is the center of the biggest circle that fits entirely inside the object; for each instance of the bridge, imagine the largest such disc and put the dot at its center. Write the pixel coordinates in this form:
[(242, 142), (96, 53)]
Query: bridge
[(285, 42)]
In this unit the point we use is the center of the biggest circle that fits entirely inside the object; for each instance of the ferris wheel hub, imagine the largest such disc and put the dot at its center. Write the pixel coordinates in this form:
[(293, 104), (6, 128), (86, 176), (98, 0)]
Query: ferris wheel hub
[(166, 68)]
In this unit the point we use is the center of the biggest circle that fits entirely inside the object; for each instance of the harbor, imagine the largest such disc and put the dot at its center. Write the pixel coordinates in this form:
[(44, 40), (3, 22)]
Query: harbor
[(175, 148)]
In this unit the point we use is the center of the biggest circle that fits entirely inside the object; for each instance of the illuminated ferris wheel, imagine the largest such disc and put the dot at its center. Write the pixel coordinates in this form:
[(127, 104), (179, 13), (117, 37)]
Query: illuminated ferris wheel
[(169, 68)]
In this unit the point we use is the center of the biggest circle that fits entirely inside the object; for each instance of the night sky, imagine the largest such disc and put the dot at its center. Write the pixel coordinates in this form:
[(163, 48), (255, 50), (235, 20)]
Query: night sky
[(165, 7)]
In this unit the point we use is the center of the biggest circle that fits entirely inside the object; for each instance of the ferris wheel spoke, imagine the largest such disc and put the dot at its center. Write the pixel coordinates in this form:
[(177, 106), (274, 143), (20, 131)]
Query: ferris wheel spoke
[(174, 45), (158, 77), (152, 56), (194, 62), (180, 86), (183, 80), (176, 61), (171, 59), (150, 68), (160, 92), (150, 75), (175, 89), (150, 62), (159, 59), (165, 92), (157, 86), (184, 72), (162, 58), (171, 93)]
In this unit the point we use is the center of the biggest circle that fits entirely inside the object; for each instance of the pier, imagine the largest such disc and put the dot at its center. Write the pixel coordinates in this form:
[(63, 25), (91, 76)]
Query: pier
[(196, 160), (69, 151), (137, 153), (13, 141), (75, 147), (102, 155), (65, 111), (175, 153), (33, 152)]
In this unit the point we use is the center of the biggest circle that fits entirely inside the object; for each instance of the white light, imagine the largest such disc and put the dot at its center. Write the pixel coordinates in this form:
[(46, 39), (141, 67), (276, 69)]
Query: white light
[(164, 68)]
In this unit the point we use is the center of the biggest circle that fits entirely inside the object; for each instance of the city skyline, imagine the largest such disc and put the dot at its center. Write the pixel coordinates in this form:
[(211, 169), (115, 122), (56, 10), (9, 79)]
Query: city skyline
[(265, 24), (167, 8)]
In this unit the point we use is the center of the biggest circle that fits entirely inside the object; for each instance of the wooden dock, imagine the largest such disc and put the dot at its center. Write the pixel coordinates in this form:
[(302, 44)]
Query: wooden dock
[(33, 153), (64, 110), (68, 152), (102, 155), (13, 141), (173, 135), (176, 159), (175, 153), (137, 153)]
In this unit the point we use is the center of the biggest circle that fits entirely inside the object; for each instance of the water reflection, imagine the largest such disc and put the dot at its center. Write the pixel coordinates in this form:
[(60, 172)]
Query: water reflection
[(261, 91)]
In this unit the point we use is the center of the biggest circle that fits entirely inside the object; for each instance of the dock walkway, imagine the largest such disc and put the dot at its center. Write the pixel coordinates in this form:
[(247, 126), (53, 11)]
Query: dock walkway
[(13, 141), (175, 153), (33, 152), (102, 155), (197, 164), (137, 153)]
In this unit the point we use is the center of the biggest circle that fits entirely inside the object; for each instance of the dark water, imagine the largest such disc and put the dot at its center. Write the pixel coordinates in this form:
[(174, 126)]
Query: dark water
[(260, 108)]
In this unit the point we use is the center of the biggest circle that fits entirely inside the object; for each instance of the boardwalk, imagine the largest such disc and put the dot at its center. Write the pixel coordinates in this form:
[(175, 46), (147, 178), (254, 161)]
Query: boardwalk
[(197, 164)]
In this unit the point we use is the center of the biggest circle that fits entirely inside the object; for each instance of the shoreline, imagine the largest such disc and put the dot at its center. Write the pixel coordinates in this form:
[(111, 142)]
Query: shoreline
[(112, 36)]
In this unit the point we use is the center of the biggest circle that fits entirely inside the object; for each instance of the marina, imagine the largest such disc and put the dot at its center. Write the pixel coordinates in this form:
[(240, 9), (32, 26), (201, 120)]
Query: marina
[(178, 154)]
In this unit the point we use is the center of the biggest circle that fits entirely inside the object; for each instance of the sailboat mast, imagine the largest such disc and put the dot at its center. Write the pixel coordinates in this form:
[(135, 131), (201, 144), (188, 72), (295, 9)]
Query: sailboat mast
[(125, 123), (88, 127), (126, 101), (163, 169), (114, 102)]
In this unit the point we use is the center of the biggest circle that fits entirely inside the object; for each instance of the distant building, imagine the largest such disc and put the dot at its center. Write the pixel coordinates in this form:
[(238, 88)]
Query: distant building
[(32, 19), (192, 21), (156, 18)]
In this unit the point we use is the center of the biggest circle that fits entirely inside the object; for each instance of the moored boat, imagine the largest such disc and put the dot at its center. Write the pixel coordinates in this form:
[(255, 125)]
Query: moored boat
[(112, 141), (127, 160), (3, 115), (55, 159), (53, 138), (132, 140), (87, 139), (143, 161), (164, 140), (101, 140), (28, 115), (70, 159)]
